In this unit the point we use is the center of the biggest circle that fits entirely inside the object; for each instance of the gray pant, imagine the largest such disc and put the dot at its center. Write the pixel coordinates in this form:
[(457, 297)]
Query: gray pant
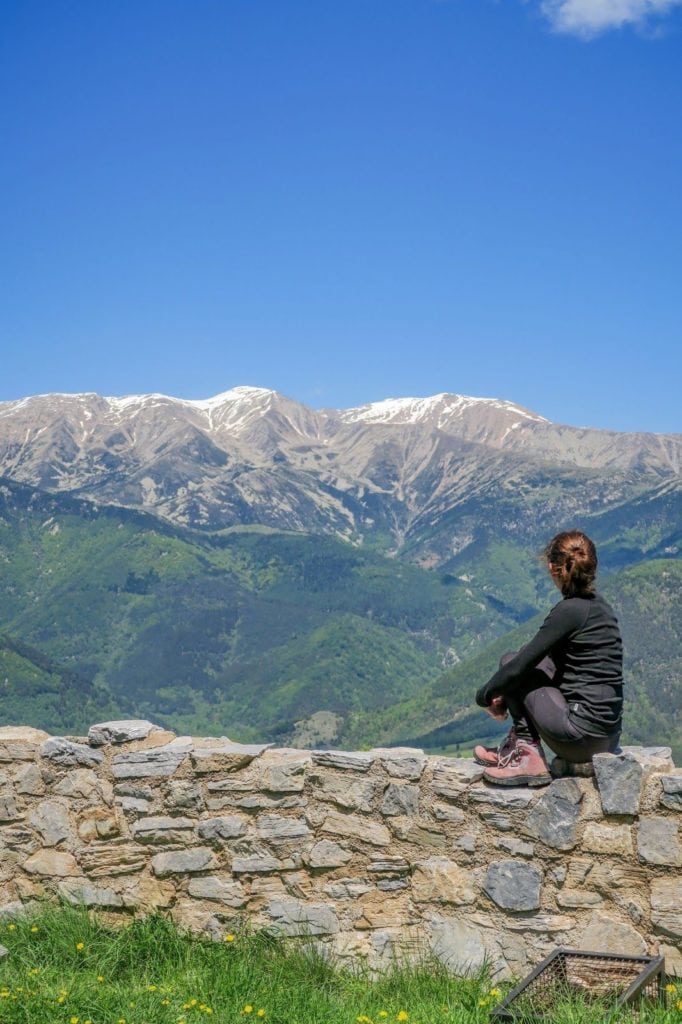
[(540, 711)]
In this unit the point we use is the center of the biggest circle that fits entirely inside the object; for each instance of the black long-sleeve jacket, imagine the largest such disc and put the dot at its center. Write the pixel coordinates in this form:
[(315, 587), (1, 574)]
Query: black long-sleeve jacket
[(582, 637)]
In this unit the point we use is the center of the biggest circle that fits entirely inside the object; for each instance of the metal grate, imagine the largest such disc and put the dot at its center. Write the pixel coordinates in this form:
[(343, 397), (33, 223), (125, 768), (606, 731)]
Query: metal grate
[(570, 976)]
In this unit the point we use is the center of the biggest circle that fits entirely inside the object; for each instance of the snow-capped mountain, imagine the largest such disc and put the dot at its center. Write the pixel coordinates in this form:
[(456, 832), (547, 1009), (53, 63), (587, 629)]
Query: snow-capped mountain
[(416, 471)]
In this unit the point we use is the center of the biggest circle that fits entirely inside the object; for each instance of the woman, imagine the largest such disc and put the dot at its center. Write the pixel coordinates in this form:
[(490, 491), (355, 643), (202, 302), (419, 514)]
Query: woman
[(565, 687)]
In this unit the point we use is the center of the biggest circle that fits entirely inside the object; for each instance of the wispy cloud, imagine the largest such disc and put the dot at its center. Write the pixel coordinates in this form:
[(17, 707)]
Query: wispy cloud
[(589, 18)]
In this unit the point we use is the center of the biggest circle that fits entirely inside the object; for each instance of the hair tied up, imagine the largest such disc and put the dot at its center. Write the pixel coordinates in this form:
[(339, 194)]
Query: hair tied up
[(574, 559)]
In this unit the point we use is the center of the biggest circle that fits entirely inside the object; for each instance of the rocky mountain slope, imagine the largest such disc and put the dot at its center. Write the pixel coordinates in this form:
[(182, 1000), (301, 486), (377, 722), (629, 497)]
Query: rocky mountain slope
[(414, 476)]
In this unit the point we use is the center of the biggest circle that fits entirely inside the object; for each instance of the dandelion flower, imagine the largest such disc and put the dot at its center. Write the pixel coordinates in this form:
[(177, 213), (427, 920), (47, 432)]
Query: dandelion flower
[(403, 1015), (80, 945), (248, 1008), (151, 988), (165, 1002), (229, 937), (35, 928), (73, 1020), (670, 987), (482, 1002), (679, 1004), (11, 927), (100, 977), (260, 1013)]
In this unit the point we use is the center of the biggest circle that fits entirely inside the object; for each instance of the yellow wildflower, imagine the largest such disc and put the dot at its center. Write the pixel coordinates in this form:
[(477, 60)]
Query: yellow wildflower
[(35, 928), (679, 1004), (193, 1002), (260, 1013), (165, 1002), (494, 992), (403, 1015), (11, 927), (80, 945), (670, 987), (100, 977), (73, 1020), (151, 988), (248, 1008), (482, 1002), (229, 937)]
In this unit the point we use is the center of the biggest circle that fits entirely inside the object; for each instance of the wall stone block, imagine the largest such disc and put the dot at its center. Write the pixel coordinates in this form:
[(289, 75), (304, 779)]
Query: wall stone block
[(513, 885), (658, 841)]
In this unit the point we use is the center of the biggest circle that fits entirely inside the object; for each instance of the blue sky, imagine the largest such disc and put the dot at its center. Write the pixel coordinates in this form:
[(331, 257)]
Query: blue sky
[(346, 200)]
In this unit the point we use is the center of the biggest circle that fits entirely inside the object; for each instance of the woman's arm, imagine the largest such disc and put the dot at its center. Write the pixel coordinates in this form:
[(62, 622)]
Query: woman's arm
[(565, 618)]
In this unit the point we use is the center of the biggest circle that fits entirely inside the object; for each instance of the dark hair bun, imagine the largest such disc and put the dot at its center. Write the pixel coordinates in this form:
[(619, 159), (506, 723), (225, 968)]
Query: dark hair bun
[(574, 557)]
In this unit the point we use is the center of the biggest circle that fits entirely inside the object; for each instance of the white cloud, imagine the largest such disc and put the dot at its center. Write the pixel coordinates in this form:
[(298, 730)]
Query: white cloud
[(588, 18)]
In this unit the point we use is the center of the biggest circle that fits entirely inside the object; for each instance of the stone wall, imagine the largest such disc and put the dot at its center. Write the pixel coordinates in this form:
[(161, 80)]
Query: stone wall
[(370, 852)]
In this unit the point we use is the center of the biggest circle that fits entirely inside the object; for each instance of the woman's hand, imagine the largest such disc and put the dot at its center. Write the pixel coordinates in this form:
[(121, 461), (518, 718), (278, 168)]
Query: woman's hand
[(498, 709)]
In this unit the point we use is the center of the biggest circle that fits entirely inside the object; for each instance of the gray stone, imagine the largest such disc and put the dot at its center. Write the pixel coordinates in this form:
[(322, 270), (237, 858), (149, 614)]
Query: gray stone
[(327, 854), (130, 805), (386, 864), (400, 798), (666, 906), (355, 760), (672, 792), (277, 829), (402, 762), (287, 777), (182, 862), (8, 807), (513, 885), (162, 829), (294, 917), (516, 847), (458, 944), (620, 776), (254, 802), (467, 844), (571, 899), (257, 864), (502, 822), (658, 841), (82, 893), (352, 794), (80, 784), (123, 731), (220, 890), (420, 833), (29, 781), (444, 812), (554, 819), (464, 768), (51, 863), (157, 762), (51, 820), (609, 934), (68, 754), (510, 799), (392, 884), (230, 827), (347, 889)]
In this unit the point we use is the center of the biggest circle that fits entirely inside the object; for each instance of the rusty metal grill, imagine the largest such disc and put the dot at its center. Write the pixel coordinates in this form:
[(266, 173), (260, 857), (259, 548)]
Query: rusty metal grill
[(571, 976)]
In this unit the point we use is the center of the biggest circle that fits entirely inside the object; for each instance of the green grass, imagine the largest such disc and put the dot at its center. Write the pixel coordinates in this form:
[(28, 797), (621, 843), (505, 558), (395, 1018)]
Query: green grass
[(70, 966)]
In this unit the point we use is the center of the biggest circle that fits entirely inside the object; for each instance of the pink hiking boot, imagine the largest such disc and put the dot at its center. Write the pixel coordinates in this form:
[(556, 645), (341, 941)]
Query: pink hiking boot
[(490, 756), (523, 765)]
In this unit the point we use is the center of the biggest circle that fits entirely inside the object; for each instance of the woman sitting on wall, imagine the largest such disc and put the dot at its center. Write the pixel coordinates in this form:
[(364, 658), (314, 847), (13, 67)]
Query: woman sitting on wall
[(565, 687)]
